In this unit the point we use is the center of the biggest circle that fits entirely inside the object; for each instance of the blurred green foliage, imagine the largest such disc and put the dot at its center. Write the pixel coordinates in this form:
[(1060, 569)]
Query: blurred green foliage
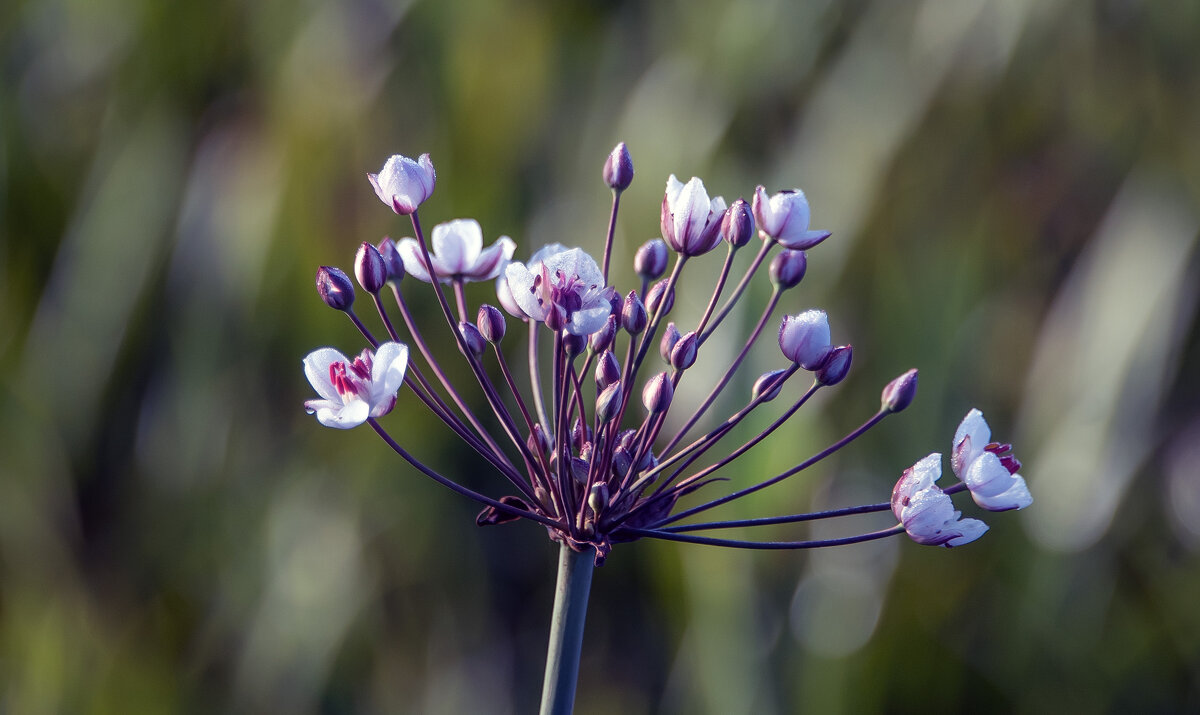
[(1014, 191)]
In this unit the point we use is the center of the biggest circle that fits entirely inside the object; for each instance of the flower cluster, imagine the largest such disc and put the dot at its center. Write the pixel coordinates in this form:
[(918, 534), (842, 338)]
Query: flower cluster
[(580, 455)]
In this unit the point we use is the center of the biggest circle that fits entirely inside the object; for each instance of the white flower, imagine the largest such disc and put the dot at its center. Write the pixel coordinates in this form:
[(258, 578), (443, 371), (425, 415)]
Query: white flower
[(353, 390), (984, 466), (926, 512), (784, 217), (691, 223), (457, 253), (534, 265), (563, 288), (804, 338), (403, 184)]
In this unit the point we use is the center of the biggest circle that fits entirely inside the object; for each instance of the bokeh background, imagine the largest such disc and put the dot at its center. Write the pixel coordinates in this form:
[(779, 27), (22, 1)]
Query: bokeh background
[(1014, 191)]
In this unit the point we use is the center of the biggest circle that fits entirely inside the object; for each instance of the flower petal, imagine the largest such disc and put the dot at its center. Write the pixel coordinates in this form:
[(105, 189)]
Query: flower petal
[(487, 265), (520, 283), (316, 369), (456, 245), (352, 414), (974, 429), (387, 371), (414, 263)]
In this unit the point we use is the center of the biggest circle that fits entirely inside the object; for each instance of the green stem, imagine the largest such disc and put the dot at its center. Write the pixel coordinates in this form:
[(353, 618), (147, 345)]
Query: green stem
[(566, 629)]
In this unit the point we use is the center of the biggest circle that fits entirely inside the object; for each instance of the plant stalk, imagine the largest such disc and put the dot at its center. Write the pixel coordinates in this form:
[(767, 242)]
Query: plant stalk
[(566, 629)]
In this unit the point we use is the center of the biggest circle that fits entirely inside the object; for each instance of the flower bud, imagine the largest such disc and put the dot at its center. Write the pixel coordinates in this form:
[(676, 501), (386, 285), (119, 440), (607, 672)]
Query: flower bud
[(391, 260), (369, 268), (900, 392), (669, 338), (659, 294), (784, 218), (579, 469), (650, 261), (573, 344), (835, 368), (738, 225), (608, 370), (609, 402), (403, 184), (787, 269), (471, 338), (622, 460), (491, 323), (335, 288), (602, 339), (618, 168), (580, 435), (804, 338), (658, 393), (633, 314), (683, 354), (598, 498), (538, 442), (767, 385)]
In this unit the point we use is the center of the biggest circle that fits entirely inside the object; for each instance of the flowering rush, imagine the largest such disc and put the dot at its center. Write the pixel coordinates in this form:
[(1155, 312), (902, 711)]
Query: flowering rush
[(584, 450)]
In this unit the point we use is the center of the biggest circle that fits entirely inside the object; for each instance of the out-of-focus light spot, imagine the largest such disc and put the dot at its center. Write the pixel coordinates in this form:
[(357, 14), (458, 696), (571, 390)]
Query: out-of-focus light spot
[(1182, 495), (1104, 360)]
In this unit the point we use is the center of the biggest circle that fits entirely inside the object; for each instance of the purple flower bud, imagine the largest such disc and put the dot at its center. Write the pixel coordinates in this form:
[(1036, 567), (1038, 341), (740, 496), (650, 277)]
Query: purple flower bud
[(691, 223), (472, 338), (579, 469), (835, 368), (580, 435), (633, 314), (603, 338), (650, 261), (573, 344), (403, 184), (335, 288), (622, 460), (683, 354), (609, 402), (598, 498), (787, 269), (900, 392), (738, 225), (608, 370), (767, 385), (369, 268), (618, 168), (538, 442), (391, 260), (804, 338), (669, 338), (491, 323), (659, 294), (658, 393)]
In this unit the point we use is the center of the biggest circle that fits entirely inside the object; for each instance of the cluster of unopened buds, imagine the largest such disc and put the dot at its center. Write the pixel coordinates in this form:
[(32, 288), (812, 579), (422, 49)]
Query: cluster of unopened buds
[(581, 447)]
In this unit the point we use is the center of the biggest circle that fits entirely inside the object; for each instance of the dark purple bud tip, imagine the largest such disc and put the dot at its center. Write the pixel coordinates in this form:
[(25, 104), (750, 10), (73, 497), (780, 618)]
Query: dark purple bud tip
[(670, 336), (391, 260), (767, 385), (737, 227), (608, 370), (650, 261), (683, 354), (335, 288), (787, 269), (369, 268), (573, 344), (836, 366), (491, 323), (900, 392), (618, 168), (602, 339), (633, 314), (472, 338), (658, 393), (609, 402), (659, 295)]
